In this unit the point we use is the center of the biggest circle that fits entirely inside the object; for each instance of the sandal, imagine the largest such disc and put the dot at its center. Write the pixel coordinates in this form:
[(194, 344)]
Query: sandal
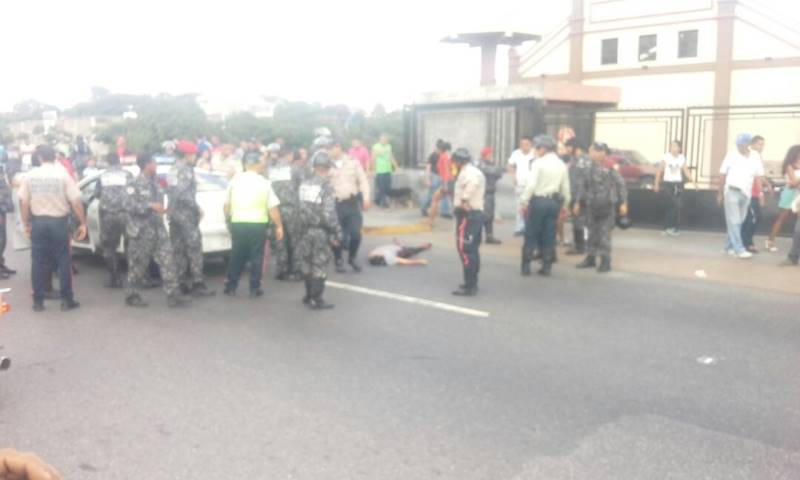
[(769, 246)]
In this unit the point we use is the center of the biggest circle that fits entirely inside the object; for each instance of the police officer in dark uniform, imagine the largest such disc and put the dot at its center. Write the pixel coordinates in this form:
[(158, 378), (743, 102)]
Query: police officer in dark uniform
[(184, 221), (285, 177), (468, 199), (578, 164), (492, 172), (148, 237), (6, 207), (604, 193), (111, 191), (320, 229)]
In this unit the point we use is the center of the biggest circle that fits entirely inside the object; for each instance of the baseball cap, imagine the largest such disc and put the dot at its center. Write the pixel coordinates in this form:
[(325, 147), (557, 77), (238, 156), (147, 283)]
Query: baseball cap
[(743, 138)]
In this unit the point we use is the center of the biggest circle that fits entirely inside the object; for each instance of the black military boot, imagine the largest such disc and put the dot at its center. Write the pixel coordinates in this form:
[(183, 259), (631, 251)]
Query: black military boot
[(470, 287), (6, 270), (605, 264), (340, 266), (200, 290), (176, 301), (114, 280), (317, 303), (135, 301), (547, 266), (526, 262), (588, 262), (579, 248)]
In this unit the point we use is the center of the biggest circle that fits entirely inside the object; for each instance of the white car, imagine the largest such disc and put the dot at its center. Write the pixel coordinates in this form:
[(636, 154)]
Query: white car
[(211, 191)]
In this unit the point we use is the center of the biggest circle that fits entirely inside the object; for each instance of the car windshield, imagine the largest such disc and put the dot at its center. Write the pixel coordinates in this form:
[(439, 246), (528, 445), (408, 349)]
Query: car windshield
[(210, 182)]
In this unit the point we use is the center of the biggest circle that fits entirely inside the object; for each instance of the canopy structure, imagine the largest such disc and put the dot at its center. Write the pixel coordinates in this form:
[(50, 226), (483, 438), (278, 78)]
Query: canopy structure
[(488, 42)]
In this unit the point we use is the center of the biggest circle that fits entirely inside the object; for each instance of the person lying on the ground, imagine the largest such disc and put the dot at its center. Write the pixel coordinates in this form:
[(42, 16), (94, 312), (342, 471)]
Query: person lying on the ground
[(396, 254)]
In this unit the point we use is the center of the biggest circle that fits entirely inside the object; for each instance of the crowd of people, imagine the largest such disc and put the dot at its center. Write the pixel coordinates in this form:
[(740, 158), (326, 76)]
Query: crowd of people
[(308, 204)]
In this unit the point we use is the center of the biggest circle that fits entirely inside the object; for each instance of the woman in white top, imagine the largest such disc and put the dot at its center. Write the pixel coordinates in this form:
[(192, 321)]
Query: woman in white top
[(791, 169), (670, 179)]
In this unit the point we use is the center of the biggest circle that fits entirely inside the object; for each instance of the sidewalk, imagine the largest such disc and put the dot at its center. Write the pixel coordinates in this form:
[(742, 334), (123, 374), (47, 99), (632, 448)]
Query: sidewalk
[(694, 256)]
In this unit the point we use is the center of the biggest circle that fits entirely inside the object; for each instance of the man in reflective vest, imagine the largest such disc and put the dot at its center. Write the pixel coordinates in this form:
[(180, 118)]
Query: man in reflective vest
[(249, 207)]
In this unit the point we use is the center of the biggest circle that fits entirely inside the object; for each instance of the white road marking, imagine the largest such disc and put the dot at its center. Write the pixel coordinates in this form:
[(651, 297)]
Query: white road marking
[(409, 299)]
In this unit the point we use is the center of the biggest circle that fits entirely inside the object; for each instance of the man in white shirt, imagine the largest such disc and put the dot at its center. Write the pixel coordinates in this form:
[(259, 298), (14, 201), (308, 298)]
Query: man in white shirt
[(518, 166), (545, 194), (739, 169)]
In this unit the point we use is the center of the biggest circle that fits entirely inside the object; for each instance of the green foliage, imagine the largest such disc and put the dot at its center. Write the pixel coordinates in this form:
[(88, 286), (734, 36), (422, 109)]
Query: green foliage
[(244, 126), (159, 118), (180, 117)]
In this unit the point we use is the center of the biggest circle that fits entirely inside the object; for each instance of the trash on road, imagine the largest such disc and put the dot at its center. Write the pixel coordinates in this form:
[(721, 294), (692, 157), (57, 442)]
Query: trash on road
[(700, 274), (706, 360)]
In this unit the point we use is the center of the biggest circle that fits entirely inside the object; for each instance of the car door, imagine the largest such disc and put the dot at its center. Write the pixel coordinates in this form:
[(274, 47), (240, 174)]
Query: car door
[(90, 206), (19, 239)]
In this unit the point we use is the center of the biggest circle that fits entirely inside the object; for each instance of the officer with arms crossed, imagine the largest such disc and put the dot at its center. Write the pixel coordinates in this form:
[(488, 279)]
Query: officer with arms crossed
[(468, 200), (110, 190), (184, 221), (250, 205), (546, 193), (147, 236), (351, 187), (604, 193), (47, 195), (320, 229)]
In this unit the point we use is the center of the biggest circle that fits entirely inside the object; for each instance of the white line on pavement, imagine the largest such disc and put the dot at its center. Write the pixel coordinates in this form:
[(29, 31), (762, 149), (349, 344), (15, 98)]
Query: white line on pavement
[(409, 299)]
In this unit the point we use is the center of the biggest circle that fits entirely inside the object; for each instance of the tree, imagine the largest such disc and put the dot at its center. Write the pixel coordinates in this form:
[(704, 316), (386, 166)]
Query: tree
[(99, 93), (245, 125), (161, 118)]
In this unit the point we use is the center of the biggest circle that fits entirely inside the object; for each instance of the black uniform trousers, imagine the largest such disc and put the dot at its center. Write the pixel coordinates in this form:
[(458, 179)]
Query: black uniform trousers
[(247, 241), (3, 219), (50, 246), (488, 213), (540, 227), (351, 219), (469, 227)]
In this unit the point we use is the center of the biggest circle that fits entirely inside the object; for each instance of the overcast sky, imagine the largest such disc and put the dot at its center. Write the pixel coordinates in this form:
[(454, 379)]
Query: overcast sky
[(357, 52)]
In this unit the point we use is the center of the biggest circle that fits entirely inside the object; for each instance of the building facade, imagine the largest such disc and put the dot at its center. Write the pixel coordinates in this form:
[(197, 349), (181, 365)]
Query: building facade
[(696, 70)]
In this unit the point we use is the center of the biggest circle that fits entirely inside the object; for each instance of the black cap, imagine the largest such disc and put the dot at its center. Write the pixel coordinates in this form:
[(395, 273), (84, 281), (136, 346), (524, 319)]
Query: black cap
[(462, 155)]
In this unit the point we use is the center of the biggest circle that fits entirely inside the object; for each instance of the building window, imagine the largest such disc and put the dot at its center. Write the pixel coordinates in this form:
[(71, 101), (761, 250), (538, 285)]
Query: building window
[(647, 48), (687, 44), (609, 51)]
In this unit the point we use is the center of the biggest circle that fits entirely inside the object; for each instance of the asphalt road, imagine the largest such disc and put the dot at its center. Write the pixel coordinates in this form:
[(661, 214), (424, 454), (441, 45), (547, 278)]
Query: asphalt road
[(575, 377)]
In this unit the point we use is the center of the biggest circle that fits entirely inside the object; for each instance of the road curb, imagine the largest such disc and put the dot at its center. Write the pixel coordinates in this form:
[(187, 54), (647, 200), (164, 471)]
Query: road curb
[(396, 229)]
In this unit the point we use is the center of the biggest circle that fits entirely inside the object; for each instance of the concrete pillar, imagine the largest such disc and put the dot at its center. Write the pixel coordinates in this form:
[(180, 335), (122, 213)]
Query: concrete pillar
[(513, 66), (576, 41), (722, 82), (488, 62)]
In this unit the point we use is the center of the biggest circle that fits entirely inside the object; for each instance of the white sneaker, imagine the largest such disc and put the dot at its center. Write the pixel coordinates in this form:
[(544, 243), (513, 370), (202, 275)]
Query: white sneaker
[(731, 252), (745, 255)]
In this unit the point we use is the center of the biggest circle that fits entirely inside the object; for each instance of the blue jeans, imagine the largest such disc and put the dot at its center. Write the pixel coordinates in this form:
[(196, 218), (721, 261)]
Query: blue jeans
[(736, 203), (383, 187), (444, 203)]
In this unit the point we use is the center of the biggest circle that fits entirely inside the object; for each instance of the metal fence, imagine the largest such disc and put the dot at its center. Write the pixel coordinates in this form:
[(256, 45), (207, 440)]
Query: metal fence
[(650, 132)]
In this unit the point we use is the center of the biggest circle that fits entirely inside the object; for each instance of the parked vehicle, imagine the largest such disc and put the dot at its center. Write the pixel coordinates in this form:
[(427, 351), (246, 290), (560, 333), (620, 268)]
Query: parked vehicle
[(211, 191), (634, 168)]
